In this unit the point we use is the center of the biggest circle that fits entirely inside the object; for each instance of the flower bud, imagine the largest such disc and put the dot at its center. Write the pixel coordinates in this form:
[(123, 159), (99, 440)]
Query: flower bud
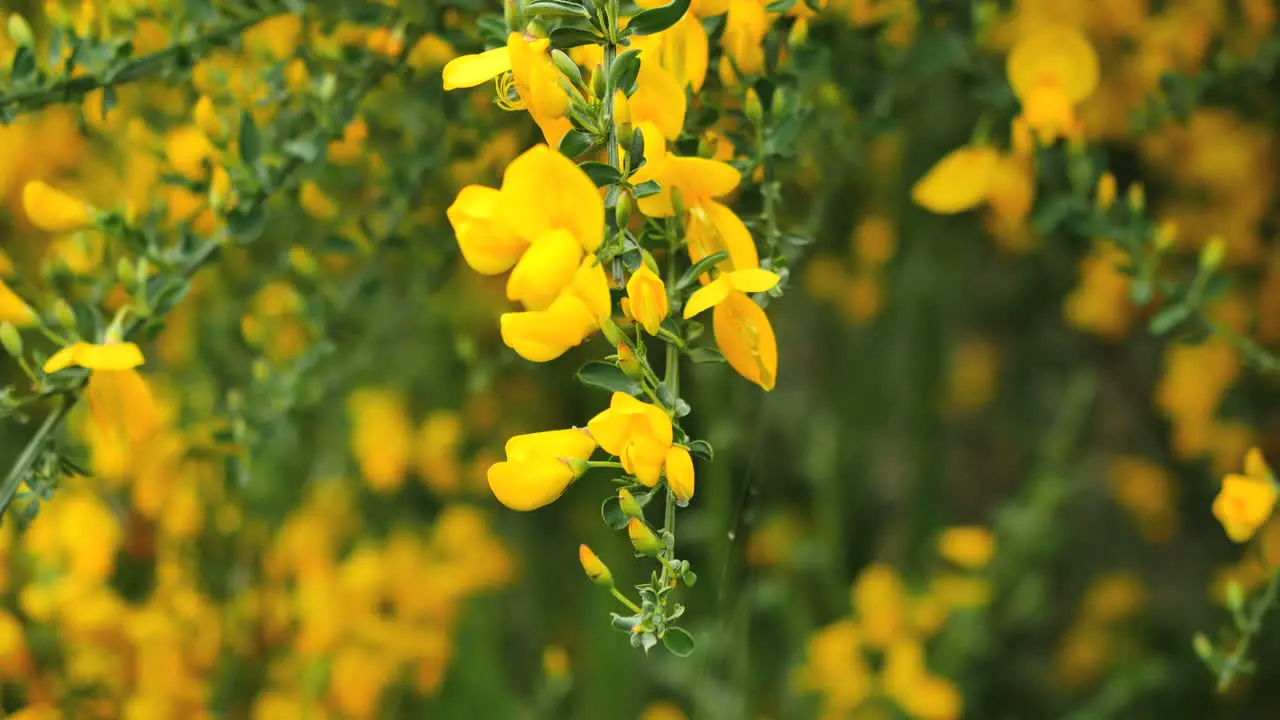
[(1203, 647), (568, 68), (20, 31), (799, 34), (753, 108), (595, 569), (125, 272), (598, 81), (206, 117), (1235, 596), (628, 503), (679, 468), (622, 211), (1137, 198), (1213, 253), (629, 363), (643, 539), (1106, 193), (1166, 235), (221, 194), (10, 339), (65, 316)]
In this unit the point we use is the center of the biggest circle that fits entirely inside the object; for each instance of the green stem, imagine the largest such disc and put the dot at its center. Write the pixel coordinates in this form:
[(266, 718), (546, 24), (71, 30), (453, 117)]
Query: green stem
[(1253, 352), (22, 467), (180, 54), (604, 464), (1232, 664), (626, 601)]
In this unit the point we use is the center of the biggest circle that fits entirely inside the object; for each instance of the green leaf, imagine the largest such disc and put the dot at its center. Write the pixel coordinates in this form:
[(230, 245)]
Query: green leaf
[(607, 377), (658, 19), (1169, 318), (556, 8), (576, 142), (612, 513), (698, 268), (250, 143), (706, 355), (564, 38), (305, 150), (635, 153), (646, 188), (602, 174), (678, 641), (780, 6), (702, 449), (623, 73), (246, 224)]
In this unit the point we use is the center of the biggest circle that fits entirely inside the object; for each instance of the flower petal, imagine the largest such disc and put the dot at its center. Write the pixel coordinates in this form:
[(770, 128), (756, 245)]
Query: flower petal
[(753, 280), (710, 295), (472, 70)]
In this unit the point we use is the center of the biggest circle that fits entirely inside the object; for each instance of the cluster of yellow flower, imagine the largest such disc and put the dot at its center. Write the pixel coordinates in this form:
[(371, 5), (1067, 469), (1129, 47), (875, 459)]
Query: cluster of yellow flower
[(878, 654)]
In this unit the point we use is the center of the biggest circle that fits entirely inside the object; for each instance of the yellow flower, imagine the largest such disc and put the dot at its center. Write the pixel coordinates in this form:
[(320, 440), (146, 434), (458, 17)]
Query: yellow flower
[(747, 280), (55, 211), (698, 181), (189, 152), (523, 66), (594, 568), (542, 335), (13, 309), (969, 547), (1051, 71), (316, 202), (486, 245), (679, 468), (638, 433), (647, 299), (437, 450), (381, 437), (122, 408), (538, 467), (746, 339), (1246, 501), (958, 182), (681, 50), (879, 601)]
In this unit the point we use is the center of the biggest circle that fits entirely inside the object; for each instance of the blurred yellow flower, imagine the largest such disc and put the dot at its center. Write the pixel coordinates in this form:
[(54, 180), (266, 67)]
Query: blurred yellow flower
[(539, 467), (1245, 501)]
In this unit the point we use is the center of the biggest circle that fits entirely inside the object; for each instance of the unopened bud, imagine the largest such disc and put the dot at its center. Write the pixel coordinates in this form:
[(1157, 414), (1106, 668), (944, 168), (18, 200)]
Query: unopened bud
[(1166, 236), (594, 568), (1137, 198), (628, 503), (125, 272), (647, 258), (1213, 253), (1105, 196), (220, 191), (622, 211), (628, 362), (1235, 596), (643, 539), (752, 107), (65, 316), (1203, 647), (20, 31), (598, 81), (206, 117), (11, 339), (511, 15), (568, 67)]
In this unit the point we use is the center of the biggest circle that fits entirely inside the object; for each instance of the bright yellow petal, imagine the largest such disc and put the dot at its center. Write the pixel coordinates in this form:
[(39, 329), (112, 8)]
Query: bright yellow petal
[(54, 211), (753, 280), (545, 269), (486, 245), (1255, 465), (121, 401), (709, 295), (64, 358), (112, 356), (529, 485), (659, 99), (543, 335), (958, 182), (746, 338), (472, 70), (543, 190), (1059, 55), (14, 309), (570, 443), (592, 287), (679, 468)]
